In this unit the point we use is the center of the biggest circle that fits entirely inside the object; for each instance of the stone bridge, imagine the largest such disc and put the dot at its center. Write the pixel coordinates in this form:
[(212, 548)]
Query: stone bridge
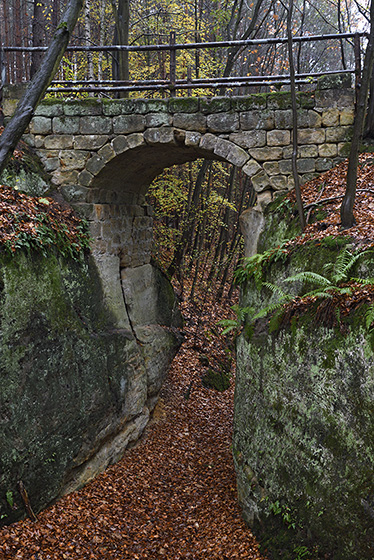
[(103, 154)]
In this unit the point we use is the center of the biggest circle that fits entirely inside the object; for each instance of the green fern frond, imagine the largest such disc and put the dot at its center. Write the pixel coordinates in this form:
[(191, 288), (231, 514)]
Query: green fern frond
[(276, 290), (308, 276), (369, 318)]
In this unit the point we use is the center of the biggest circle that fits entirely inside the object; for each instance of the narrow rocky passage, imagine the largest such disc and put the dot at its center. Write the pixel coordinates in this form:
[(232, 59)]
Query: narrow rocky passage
[(172, 497)]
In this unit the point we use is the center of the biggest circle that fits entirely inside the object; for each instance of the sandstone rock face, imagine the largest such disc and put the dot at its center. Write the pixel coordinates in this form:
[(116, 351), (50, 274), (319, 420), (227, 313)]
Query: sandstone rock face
[(303, 422), (81, 367)]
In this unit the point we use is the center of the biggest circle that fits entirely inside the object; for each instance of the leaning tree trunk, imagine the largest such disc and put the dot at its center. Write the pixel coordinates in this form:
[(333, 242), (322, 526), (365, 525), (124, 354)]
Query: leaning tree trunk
[(346, 210), (299, 201), (40, 82)]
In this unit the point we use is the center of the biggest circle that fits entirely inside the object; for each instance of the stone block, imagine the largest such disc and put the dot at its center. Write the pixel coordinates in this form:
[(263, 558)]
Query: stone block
[(47, 109), (335, 98), (80, 108), (58, 142), (163, 135), (96, 125), (65, 125), (249, 102), (271, 167), (330, 117), (257, 119), (279, 182), (306, 99), (305, 151), (126, 124), (278, 137), (184, 105), (215, 105), (208, 142), (85, 178), (233, 153), (65, 177), (51, 164), (306, 165), (339, 134), (264, 198), (120, 144), (266, 153), (106, 153), (251, 168), (135, 140), (39, 141), (347, 117), (190, 121), (158, 119), (279, 100), (328, 150), (311, 136), (73, 159), (192, 138), (305, 119), (249, 139), (95, 165), (223, 122), (9, 106), (334, 81), (323, 164), (261, 181), (41, 125), (90, 141)]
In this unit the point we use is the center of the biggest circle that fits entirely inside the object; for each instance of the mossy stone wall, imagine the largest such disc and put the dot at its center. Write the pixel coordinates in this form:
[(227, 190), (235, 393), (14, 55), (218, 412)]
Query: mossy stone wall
[(75, 389), (304, 425)]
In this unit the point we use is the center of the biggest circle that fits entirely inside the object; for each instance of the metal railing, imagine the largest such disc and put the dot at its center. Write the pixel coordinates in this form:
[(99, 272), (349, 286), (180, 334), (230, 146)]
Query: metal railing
[(173, 83)]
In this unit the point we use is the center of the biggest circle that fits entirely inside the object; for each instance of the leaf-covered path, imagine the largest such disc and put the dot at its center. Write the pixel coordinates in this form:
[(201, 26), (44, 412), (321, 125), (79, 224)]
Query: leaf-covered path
[(171, 497)]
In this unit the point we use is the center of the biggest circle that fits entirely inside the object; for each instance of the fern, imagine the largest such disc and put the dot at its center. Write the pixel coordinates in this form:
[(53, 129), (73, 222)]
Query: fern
[(308, 276), (369, 318)]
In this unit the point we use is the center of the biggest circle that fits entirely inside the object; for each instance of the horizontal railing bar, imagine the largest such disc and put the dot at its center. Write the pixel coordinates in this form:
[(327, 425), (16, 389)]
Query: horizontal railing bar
[(202, 80), (155, 87), (181, 46)]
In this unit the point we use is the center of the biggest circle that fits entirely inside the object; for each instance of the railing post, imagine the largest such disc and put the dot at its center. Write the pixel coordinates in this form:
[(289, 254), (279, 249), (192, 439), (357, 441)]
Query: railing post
[(189, 80), (172, 64), (357, 49)]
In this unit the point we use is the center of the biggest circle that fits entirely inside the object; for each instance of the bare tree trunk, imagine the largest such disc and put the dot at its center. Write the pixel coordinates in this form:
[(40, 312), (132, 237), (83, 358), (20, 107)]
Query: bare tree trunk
[(346, 210), (40, 82), (299, 201), (121, 36)]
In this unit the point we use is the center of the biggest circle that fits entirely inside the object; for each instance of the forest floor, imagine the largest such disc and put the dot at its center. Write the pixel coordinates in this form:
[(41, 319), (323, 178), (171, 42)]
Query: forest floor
[(173, 496)]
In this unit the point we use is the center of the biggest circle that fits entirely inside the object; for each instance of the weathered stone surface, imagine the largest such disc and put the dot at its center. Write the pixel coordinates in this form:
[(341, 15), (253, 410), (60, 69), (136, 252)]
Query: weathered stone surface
[(311, 136), (252, 223), (279, 182), (271, 167), (190, 121), (335, 98), (73, 159), (192, 139), (328, 150), (97, 125), (215, 105), (79, 108), (261, 181), (251, 168), (47, 109), (208, 142), (297, 439), (347, 116), (126, 124), (135, 140), (223, 122), (95, 164), (90, 141), (106, 153), (183, 105), (158, 119), (120, 144), (65, 125), (339, 134), (85, 178), (278, 137), (330, 117), (164, 135), (86, 396), (41, 125), (58, 142), (249, 139), (227, 150), (306, 151), (257, 119), (266, 154)]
